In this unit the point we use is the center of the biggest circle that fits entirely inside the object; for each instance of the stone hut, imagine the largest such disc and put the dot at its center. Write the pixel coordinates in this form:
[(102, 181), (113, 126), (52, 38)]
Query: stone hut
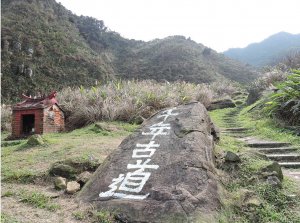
[(37, 116)]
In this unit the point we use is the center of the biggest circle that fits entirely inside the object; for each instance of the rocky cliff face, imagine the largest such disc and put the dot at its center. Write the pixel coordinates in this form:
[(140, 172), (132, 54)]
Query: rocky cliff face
[(162, 173)]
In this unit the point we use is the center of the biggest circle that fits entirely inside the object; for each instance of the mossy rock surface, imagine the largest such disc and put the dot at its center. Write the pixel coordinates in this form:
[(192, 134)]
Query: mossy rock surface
[(274, 166), (35, 140), (69, 168), (63, 170)]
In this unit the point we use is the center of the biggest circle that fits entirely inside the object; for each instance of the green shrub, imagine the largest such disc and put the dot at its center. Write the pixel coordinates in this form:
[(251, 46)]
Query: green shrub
[(285, 103)]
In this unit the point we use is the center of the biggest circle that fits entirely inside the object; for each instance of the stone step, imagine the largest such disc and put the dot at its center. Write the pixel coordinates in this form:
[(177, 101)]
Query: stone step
[(239, 129), (268, 144), (234, 124), (290, 164), (278, 150), (234, 135), (229, 119), (293, 174), (230, 125), (240, 136), (234, 132), (284, 157)]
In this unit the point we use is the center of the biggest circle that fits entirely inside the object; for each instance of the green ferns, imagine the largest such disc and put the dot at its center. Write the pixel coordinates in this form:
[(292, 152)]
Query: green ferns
[(285, 103)]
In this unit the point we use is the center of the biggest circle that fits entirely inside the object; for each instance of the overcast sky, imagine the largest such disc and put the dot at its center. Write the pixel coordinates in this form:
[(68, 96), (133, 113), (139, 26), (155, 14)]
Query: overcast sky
[(219, 24)]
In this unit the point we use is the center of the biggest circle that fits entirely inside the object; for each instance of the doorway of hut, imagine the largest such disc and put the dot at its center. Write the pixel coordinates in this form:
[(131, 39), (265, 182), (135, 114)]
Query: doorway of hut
[(28, 124)]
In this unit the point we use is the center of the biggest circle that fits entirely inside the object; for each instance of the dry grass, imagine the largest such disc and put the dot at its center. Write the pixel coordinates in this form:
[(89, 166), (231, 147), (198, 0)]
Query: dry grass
[(132, 101), (269, 79), (5, 118)]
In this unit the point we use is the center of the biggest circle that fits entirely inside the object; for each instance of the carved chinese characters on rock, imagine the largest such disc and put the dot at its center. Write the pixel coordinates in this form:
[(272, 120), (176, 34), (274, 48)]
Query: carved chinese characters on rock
[(129, 185)]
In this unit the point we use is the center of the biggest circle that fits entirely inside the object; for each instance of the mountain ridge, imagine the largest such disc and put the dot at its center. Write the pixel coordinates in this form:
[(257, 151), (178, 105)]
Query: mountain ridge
[(267, 51)]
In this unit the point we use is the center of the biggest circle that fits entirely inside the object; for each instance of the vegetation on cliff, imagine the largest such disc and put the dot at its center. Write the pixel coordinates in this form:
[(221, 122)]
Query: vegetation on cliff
[(46, 47)]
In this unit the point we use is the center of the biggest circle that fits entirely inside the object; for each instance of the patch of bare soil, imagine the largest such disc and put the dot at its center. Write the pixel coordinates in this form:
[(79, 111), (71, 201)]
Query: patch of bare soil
[(22, 212)]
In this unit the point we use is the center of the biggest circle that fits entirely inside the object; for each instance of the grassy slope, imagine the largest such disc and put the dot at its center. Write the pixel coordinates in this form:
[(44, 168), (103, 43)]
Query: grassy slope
[(276, 205), (22, 165), (22, 161), (260, 126), (265, 127)]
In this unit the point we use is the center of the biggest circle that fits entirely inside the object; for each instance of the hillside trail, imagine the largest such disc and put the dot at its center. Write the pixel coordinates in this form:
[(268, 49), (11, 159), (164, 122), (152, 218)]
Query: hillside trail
[(287, 155)]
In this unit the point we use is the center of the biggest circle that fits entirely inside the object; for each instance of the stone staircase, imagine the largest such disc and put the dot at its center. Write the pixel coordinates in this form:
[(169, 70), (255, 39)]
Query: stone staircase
[(284, 153)]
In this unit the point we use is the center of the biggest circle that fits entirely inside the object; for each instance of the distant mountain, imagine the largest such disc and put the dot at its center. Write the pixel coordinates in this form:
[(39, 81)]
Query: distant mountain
[(268, 51), (44, 47), (177, 58)]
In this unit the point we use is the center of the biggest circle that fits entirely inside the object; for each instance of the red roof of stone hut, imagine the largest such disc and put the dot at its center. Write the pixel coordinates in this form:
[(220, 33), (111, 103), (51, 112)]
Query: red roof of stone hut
[(33, 103)]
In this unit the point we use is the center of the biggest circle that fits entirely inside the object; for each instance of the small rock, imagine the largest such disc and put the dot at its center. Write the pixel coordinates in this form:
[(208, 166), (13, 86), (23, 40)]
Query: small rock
[(28, 72), (60, 183), (247, 198), (63, 170), (274, 166), (72, 187), (273, 181), (84, 177), (253, 202), (35, 140), (29, 51), (232, 157), (71, 167), (267, 174), (17, 46)]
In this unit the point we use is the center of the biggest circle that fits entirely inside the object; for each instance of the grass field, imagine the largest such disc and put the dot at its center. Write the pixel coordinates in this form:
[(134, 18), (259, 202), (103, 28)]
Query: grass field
[(28, 194)]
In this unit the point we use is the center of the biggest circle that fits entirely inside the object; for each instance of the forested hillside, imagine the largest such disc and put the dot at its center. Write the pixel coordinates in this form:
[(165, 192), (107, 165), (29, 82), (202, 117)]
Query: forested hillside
[(45, 46)]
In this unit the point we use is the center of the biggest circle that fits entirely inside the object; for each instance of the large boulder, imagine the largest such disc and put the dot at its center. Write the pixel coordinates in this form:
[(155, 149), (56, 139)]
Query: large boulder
[(164, 172)]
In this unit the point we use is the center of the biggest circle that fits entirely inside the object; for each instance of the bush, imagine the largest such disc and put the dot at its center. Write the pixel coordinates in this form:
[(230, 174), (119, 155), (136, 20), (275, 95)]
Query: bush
[(268, 80), (261, 84)]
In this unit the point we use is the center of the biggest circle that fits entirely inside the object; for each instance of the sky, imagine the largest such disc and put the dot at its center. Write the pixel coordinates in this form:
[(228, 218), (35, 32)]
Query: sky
[(218, 24)]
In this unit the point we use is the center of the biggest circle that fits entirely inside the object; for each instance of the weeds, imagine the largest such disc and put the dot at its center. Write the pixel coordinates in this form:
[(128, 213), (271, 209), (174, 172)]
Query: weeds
[(8, 219), (6, 118), (102, 217), (79, 215), (37, 200)]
